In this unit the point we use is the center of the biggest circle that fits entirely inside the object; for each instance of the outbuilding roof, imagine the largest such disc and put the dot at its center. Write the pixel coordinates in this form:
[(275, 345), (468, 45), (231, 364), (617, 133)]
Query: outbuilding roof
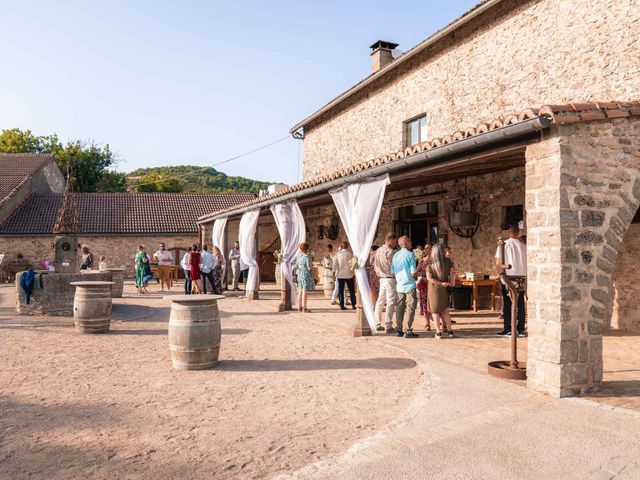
[(121, 213), (17, 168), (556, 114)]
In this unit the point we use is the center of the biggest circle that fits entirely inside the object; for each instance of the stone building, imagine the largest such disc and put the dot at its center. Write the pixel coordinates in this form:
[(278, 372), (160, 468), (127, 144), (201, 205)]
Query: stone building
[(518, 111), (111, 224)]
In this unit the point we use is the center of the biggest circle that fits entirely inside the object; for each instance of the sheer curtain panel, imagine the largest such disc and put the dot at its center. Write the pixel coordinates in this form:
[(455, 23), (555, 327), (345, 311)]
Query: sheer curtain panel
[(249, 249), (218, 240), (291, 228), (359, 206)]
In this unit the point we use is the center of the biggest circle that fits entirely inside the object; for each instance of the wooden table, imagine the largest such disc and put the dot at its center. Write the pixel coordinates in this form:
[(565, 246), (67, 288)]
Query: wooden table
[(491, 282)]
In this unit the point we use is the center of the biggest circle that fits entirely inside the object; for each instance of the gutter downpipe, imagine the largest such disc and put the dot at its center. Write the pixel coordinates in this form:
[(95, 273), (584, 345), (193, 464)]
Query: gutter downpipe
[(478, 141)]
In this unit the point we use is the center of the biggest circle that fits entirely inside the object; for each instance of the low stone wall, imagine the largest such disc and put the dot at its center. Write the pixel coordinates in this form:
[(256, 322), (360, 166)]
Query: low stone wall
[(55, 297)]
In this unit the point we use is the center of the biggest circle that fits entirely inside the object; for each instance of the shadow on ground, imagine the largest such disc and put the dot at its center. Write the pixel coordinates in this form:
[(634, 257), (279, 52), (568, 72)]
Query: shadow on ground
[(380, 363), (618, 388)]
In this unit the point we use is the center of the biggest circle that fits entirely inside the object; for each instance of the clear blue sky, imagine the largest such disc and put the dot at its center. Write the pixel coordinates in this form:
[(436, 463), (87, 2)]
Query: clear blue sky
[(174, 83)]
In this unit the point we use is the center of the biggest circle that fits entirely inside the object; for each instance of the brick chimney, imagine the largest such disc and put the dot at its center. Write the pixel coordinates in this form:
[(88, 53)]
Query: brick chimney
[(381, 54)]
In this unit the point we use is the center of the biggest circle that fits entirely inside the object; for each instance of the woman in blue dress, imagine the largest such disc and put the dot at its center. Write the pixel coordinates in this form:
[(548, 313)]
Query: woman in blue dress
[(305, 278)]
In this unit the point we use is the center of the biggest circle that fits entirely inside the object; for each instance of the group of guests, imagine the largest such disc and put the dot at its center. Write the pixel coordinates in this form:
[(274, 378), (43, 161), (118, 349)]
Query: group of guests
[(201, 265), (401, 278)]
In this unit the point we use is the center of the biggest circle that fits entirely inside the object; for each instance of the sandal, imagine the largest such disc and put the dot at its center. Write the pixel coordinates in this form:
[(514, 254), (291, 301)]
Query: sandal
[(306, 310)]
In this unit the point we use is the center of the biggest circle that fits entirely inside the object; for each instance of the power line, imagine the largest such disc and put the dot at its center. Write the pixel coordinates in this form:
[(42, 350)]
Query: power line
[(214, 165)]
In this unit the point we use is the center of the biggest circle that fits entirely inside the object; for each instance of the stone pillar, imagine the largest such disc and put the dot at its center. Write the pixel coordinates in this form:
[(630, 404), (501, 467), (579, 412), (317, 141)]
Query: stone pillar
[(362, 328), (582, 190)]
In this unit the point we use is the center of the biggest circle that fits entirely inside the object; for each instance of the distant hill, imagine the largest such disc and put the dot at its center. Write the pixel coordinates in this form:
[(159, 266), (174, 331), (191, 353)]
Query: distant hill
[(201, 180)]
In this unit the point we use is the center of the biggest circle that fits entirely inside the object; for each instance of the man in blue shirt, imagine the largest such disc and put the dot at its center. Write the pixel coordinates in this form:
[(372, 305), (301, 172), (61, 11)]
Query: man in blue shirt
[(207, 262), (403, 267)]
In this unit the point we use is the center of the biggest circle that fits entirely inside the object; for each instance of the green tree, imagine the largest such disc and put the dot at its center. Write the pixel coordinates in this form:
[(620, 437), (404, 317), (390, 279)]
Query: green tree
[(88, 161), (15, 140), (112, 182), (156, 182)]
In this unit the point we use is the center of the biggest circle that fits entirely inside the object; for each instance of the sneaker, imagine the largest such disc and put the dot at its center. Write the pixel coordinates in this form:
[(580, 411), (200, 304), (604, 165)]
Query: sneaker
[(450, 334), (410, 334), (399, 333), (390, 331), (522, 334), (503, 333), (438, 336), (380, 328)]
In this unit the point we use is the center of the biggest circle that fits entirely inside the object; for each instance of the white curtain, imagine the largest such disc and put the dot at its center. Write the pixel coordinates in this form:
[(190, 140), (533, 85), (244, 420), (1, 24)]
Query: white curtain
[(249, 249), (359, 206), (217, 240), (292, 232)]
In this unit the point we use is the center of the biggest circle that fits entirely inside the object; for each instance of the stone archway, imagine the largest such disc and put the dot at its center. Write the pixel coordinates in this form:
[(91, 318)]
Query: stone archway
[(625, 309), (582, 191)]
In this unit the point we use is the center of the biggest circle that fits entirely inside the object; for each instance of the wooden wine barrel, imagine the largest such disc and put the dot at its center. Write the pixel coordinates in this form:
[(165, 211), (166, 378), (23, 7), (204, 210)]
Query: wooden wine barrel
[(328, 282), (194, 331), (92, 306), (117, 276)]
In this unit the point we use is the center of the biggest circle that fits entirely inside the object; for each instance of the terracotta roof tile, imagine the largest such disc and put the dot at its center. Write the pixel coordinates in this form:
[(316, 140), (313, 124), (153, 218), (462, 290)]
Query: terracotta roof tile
[(121, 213), (558, 114)]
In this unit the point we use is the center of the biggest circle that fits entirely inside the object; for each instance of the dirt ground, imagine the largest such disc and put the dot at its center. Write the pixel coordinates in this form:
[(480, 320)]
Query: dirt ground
[(289, 391)]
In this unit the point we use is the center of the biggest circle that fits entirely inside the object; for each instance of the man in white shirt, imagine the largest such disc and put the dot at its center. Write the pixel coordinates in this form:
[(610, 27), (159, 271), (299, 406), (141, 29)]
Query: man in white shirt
[(165, 261), (515, 265), (387, 296), (184, 263), (207, 264), (342, 268), (234, 258)]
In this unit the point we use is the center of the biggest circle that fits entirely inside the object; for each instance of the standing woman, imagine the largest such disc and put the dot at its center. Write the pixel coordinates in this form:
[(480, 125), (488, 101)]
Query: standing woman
[(374, 280), (194, 269), (439, 275), (217, 270), (141, 261), (423, 285), (304, 277)]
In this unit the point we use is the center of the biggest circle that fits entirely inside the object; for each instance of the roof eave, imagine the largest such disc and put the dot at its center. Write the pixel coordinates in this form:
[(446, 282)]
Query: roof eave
[(400, 60)]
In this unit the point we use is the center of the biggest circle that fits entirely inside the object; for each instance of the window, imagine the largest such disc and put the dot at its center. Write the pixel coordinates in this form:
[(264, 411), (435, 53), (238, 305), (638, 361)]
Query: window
[(512, 215), (415, 131)]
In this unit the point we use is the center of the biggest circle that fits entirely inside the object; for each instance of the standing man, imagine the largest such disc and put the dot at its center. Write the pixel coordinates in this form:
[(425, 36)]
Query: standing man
[(184, 264), (403, 266), (387, 295), (234, 258), (342, 268), (514, 265), (207, 264), (165, 260)]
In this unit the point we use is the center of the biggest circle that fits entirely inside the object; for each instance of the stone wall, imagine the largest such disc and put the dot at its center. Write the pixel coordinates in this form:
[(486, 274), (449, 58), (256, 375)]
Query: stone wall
[(582, 191), (119, 250), (544, 51), (56, 295), (626, 279)]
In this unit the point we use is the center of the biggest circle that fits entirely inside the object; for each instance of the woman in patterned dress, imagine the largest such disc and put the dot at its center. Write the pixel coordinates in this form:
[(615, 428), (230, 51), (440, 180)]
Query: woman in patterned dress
[(217, 271), (304, 277), (141, 261), (374, 281), (423, 286)]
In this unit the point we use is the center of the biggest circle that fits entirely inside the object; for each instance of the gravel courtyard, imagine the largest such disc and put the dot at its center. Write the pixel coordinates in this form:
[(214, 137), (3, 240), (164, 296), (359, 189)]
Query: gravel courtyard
[(288, 392)]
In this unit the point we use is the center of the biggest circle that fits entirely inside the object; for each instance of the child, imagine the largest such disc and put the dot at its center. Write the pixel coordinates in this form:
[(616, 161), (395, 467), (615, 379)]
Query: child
[(102, 264)]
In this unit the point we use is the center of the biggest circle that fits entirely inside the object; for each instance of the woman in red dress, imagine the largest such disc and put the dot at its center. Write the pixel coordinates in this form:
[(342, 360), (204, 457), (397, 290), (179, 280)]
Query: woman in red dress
[(194, 269)]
